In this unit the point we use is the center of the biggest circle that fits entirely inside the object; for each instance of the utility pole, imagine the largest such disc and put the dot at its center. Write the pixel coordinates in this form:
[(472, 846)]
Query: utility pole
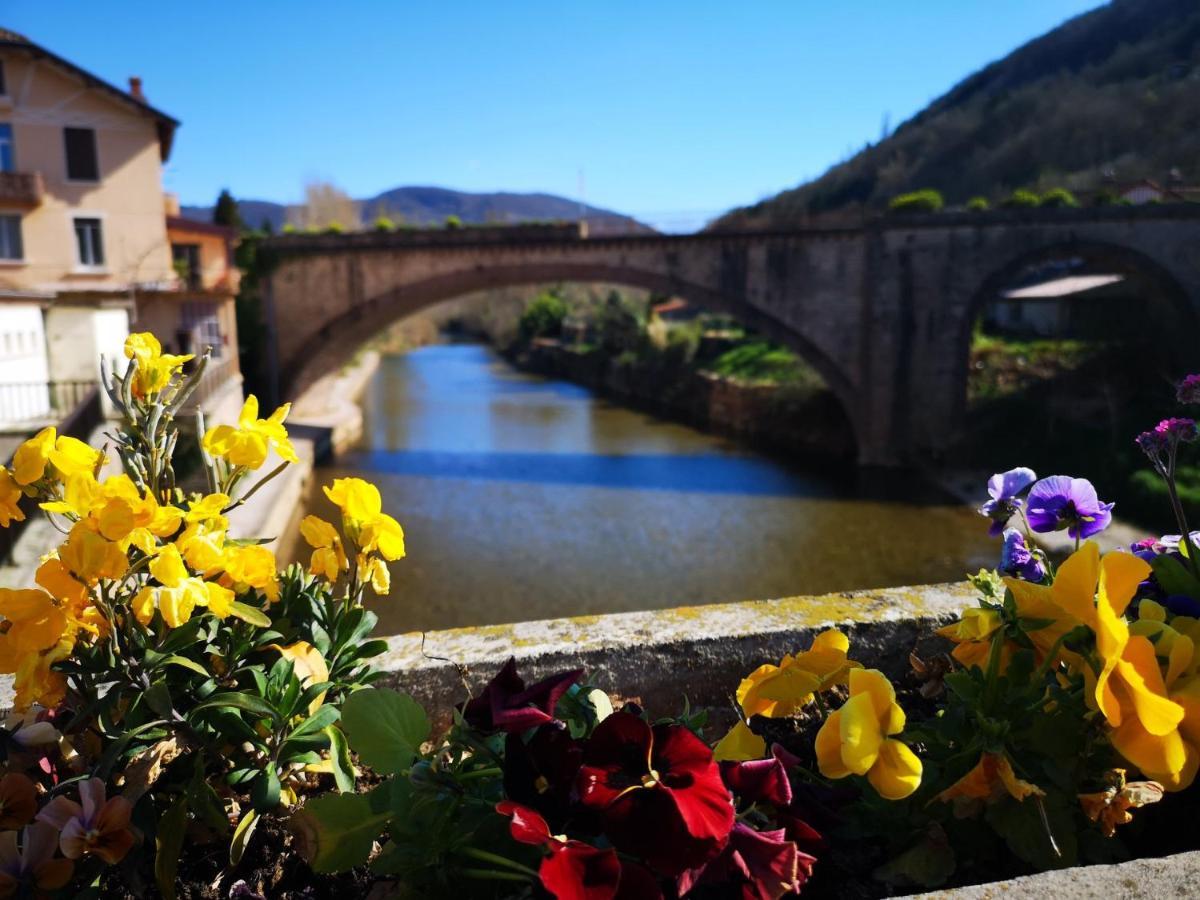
[(583, 229)]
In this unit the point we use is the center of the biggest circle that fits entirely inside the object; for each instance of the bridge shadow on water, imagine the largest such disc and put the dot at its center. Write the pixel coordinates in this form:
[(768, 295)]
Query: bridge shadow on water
[(689, 473)]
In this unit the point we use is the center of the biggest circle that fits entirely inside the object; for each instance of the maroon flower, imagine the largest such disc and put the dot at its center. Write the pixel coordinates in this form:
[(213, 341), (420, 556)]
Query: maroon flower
[(507, 705), (541, 772), (572, 870), (658, 790), (758, 780), (763, 863)]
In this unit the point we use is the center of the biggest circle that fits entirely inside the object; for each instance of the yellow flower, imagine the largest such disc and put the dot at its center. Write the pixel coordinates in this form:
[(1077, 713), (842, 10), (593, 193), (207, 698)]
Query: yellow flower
[(203, 545), (91, 557), (1129, 690), (374, 571), (1111, 807), (57, 580), (10, 496), (363, 519), (974, 632), (208, 508), (35, 622), (991, 779), (308, 665), (155, 368), (249, 443), (36, 682), (782, 690), (29, 462), (740, 744), (855, 740), (251, 566), (180, 592), (328, 556)]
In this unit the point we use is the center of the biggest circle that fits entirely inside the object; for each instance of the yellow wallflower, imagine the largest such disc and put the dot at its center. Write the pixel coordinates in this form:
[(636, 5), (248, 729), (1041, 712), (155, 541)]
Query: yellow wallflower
[(155, 368), (56, 579), (991, 779), (855, 739), (740, 744), (251, 566), (116, 508), (780, 691), (10, 496), (249, 443), (91, 557), (203, 544), (374, 571), (35, 622), (180, 592), (208, 508), (29, 462), (328, 556), (363, 518), (36, 682), (66, 455)]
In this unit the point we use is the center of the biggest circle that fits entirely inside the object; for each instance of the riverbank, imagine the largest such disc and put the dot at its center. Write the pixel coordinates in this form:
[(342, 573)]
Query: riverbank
[(797, 421)]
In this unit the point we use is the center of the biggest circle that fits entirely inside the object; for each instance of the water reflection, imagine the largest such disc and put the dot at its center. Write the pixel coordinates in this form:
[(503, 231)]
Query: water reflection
[(526, 498)]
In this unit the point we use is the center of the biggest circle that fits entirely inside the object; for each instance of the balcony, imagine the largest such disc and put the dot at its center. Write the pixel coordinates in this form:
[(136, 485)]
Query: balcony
[(21, 188)]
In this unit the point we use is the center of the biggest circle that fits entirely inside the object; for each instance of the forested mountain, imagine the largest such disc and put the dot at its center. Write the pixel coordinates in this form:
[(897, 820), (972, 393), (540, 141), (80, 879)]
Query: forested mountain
[(1114, 92)]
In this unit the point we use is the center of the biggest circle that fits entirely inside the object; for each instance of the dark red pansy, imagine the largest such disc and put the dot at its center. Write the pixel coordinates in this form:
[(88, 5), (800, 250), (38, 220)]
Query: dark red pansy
[(758, 781), (764, 864), (571, 870), (658, 790), (505, 704), (541, 772)]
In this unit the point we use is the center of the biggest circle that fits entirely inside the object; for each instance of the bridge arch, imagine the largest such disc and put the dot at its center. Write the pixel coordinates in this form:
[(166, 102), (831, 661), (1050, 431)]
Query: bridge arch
[(335, 342), (1166, 290)]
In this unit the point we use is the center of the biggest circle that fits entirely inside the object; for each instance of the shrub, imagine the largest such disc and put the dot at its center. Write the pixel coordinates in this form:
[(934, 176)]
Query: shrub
[(978, 204), (453, 222), (1058, 198), (162, 654), (1105, 197), (543, 317), (1022, 199), (926, 200), (383, 223), (289, 228), (335, 228)]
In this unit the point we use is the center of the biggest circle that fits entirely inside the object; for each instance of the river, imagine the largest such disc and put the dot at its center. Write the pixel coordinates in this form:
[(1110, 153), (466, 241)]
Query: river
[(528, 498)]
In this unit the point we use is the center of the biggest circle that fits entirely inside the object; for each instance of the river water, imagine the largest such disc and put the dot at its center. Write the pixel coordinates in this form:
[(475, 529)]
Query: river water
[(527, 498)]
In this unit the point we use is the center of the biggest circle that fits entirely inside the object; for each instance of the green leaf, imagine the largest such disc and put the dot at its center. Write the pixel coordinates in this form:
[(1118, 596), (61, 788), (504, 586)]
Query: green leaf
[(339, 757), (264, 794), (250, 614), (324, 716), (158, 698), (371, 648), (337, 831), (184, 662), (928, 864), (385, 728), (168, 844), (241, 836), (236, 700), (1174, 578)]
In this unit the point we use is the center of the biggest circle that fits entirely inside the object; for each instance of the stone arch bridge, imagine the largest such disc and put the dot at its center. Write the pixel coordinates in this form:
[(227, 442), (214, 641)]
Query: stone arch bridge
[(884, 312)]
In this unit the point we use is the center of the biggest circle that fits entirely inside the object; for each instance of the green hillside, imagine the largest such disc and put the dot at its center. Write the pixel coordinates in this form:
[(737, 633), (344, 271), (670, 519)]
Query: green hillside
[(1116, 90)]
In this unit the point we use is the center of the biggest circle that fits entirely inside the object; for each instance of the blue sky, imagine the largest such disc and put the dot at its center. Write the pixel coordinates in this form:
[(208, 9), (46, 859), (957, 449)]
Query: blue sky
[(673, 111)]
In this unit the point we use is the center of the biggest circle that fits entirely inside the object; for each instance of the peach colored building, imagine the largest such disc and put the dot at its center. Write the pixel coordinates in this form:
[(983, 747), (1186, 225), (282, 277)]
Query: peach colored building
[(86, 250)]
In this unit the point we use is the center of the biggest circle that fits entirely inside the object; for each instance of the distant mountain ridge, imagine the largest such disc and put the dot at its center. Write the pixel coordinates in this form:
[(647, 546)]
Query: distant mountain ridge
[(431, 205), (1115, 91)]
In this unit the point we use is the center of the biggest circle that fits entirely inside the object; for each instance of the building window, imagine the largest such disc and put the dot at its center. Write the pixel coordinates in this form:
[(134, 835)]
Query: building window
[(90, 242), (82, 164), (186, 258), (10, 238), (201, 329), (6, 148), (3, 81)]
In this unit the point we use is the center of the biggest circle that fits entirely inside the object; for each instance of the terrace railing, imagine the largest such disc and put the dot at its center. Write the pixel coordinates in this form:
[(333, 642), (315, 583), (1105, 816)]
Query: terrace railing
[(47, 402)]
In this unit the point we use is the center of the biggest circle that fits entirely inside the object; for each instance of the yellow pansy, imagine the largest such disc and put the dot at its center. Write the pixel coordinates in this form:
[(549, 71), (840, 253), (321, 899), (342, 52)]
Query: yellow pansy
[(308, 665), (739, 744), (328, 556), (10, 497), (782, 690), (155, 368), (991, 779), (249, 443), (1111, 807), (855, 740)]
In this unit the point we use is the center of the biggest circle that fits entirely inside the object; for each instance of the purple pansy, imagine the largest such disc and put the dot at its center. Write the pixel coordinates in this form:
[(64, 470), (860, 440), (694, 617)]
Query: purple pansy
[(1005, 489), (1188, 390), (1061, 501), (1017, 559)]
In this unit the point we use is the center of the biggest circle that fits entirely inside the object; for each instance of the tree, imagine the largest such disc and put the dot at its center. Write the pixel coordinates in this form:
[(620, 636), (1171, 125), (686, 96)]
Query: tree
[(267, 228), (324, 204), (226, 212)]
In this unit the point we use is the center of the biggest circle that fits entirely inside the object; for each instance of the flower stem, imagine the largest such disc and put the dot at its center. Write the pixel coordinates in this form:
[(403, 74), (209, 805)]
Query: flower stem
[(498, 860)]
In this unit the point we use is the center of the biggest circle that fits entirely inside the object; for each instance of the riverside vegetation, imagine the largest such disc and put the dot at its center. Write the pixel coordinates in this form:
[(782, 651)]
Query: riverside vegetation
[(174, 689)]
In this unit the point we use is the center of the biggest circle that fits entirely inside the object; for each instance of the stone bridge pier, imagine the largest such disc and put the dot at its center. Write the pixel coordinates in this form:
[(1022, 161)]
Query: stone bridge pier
[(883, 312)]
